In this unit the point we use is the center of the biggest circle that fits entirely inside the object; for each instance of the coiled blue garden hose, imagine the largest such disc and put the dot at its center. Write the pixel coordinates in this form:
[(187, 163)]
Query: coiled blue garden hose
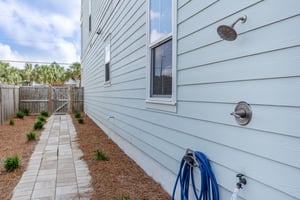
[(209, 187)]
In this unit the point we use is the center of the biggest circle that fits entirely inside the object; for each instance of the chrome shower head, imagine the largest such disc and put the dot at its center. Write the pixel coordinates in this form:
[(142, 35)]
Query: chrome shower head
[(227, 32)]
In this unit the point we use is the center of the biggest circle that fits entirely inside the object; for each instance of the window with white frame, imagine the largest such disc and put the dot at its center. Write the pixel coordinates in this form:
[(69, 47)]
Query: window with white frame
[(107, 59), (161, 49)]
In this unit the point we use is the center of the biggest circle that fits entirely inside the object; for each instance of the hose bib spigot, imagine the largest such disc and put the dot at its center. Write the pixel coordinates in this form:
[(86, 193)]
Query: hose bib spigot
[(239, 185)]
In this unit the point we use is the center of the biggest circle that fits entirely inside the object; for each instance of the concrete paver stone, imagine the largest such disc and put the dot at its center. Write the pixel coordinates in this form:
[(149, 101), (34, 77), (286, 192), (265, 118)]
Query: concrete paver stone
[(55, 170)]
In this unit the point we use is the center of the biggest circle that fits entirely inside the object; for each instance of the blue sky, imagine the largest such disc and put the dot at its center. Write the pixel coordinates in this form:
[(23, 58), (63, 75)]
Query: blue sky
[(39, 30)]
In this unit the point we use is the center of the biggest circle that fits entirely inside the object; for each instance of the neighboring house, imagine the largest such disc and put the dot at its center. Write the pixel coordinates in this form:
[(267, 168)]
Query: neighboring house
[(159, 79)]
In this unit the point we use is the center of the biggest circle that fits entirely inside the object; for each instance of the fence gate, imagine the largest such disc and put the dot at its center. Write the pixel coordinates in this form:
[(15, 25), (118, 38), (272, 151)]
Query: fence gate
[(56, 100), (60, 98)]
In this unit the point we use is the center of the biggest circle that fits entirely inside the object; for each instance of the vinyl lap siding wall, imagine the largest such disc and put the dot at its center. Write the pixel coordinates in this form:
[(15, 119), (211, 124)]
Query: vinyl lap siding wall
[(260, 67)]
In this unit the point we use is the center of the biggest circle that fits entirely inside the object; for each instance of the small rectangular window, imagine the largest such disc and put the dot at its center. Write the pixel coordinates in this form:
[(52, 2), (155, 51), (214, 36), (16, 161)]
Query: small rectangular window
[(81, 38), (90, 23), (90, 15), (107, 78), (107, 58)]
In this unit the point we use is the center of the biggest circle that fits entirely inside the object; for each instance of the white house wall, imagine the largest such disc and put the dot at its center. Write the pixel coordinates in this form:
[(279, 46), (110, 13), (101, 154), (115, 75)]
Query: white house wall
[(261, 67)]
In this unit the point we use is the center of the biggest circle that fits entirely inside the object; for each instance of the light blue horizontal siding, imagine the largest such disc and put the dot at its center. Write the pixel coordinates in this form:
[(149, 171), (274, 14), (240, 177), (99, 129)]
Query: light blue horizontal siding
[(257, 19), (263, 43), (135, 65), (212, 14), (275, 64), (260, 67), (263, 120), (214, 139), (198, 141), (192, 8), (256, 92)]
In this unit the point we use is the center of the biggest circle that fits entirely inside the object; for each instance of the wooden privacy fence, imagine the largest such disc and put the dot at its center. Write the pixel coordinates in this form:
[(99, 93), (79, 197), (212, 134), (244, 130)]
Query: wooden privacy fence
[(56, 100), (9, 102), (34, 98)]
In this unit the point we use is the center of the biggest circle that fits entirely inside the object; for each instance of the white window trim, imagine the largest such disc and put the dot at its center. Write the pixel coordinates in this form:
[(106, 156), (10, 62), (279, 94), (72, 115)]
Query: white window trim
[(90, 7), (164, 104), (107, 84)]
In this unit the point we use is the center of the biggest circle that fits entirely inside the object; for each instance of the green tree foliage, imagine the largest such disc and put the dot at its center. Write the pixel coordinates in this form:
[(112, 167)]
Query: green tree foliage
[(42, 74), (74, 71), (9, 75), (27, 74)]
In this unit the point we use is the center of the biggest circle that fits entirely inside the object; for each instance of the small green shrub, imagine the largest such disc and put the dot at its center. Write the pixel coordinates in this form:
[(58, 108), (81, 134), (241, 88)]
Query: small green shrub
[(11, 122), (20, 114), (31, 136), (100, 155), (38, 125), (11, 163), (44, 113), (41, 118), (80, 121), (25, 111), (77, 115)]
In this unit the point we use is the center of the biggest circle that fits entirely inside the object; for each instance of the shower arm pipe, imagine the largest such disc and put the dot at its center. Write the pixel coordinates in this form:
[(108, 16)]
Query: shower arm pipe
[(242, 19)]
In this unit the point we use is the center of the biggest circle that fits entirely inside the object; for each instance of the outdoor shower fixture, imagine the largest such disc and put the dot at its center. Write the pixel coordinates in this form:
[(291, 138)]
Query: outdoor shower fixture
[(227, 32), (242, 113)]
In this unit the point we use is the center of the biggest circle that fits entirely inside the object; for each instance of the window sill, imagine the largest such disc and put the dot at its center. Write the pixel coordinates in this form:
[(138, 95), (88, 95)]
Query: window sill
[(107, 84), (162, 105)]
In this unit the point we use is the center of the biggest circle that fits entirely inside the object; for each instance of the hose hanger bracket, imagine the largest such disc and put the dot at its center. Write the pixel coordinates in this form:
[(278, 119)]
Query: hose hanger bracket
[(191, 162), (190, 158)]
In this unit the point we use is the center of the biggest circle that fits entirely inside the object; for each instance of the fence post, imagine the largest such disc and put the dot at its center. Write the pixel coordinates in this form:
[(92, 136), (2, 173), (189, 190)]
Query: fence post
[(1, 106), (14, 99), (71, 99), (50, 99), (17, 99), (82, 99)]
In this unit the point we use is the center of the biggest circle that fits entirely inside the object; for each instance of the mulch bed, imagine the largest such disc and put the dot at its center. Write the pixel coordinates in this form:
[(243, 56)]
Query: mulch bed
[(118, 177), (13, 141)]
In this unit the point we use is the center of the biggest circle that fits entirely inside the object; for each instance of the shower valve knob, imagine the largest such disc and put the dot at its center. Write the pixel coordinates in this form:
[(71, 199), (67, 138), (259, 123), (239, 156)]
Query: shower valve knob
[(239, 113), (242, 113)]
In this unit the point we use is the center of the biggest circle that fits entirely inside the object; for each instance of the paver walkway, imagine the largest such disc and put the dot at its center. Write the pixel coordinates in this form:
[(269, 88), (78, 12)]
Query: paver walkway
[(55, 170)]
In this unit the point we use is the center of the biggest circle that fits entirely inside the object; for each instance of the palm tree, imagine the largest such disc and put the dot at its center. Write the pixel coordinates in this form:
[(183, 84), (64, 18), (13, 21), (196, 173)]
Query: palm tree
[(28, 74), (37, 74), (45, 75), (9, 75), (57, 74), (14, 76), (53, 73), (3, 71), (74, 72)]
